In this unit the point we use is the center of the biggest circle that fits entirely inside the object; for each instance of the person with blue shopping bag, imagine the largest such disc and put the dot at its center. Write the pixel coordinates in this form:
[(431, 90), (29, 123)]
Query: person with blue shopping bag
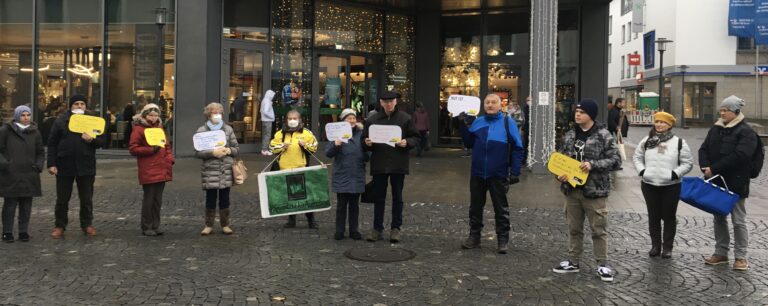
[(726, 151)]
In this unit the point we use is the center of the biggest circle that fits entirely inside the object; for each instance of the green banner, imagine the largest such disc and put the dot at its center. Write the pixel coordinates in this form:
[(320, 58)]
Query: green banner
[(289, 192)]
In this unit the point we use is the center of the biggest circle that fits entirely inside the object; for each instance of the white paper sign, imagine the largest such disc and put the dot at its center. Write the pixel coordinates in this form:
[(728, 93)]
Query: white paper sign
[(458, 104), (209, 140), (543, 97), (386, 134), (338, 130)]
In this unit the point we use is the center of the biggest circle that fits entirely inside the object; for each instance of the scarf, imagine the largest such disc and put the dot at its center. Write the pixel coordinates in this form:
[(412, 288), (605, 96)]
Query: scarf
[(21, 126), (214, 127), (656, 138)]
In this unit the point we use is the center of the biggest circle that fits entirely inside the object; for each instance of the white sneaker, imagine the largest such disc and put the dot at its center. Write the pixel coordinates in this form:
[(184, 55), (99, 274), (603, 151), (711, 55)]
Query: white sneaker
[(566, 267), (266, 153), (605, 273)]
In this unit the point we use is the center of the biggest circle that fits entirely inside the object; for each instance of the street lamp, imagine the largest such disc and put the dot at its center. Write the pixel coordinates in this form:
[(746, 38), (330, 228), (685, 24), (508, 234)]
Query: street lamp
[(682, 103), (661, 44), (161, 18)]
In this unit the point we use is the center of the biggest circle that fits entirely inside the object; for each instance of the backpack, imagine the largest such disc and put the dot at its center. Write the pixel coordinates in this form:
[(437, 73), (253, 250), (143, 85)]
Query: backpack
[(757, 158)]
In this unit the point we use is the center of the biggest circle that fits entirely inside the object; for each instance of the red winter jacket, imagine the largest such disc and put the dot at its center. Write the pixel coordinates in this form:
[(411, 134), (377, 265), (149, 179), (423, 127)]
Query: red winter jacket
[(153, 167)]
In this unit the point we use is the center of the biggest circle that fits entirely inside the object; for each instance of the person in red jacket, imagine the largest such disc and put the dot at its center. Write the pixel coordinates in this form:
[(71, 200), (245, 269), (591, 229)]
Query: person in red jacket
[(155, 167)]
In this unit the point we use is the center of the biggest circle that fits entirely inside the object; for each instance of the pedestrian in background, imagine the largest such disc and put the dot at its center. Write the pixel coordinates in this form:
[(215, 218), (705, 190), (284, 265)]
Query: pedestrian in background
[(617, 119), (728, 151), (661, 159), (421, 120), (495, 165), (21, 161), (155, 167), (592, 145), (216, 171), (72, 158), (348, 176), (294, 143), (267, 120)]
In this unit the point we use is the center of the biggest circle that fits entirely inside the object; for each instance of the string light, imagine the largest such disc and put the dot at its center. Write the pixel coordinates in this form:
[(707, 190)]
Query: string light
[(543, 73)]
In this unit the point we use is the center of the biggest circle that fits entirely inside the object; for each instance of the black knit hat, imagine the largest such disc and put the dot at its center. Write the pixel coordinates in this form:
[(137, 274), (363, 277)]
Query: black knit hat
[(589, 106), (76, 98)]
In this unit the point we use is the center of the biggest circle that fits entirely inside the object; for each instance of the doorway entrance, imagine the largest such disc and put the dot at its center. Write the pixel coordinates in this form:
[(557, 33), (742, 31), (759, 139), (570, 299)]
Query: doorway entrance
[(245, 77), (343, 80)]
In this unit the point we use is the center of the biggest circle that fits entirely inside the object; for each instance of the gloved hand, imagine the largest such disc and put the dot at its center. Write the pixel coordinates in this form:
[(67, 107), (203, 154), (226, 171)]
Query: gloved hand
[(641, 172), (674, 176), (513, 180), (156, 148)]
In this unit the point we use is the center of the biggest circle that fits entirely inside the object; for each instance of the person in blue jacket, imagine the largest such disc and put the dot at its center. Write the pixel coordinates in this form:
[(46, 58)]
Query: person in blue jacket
[(348, 176), (495, 166)]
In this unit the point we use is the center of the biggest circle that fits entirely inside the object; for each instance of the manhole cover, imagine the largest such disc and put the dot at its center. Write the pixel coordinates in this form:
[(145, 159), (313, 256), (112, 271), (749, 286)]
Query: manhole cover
[(380, 254)]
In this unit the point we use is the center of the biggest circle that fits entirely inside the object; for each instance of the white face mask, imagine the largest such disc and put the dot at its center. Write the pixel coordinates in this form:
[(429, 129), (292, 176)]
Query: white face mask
[(293, 123), (78, 111), (216, 118)]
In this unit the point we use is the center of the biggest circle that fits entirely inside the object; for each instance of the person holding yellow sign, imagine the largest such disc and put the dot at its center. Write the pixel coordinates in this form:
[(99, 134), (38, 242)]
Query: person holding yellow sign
[(593, 146), (155, 163), (72, 158)]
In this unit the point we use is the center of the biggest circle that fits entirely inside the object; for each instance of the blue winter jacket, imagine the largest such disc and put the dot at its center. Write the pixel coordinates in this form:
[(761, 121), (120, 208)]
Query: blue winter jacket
[(348, 164), (490, 153)]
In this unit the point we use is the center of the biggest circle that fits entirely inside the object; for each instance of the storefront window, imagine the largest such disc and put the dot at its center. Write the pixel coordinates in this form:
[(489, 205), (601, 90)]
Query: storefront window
[(507, 34), (400, 56), (567, 72), (140, 64), (348, 28), (15, 56), (292, 57), (246, 20)]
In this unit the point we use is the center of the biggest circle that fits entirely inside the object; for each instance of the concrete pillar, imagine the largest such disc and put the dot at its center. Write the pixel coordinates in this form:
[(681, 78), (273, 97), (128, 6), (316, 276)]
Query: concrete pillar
[(542, 76), (427, 82)]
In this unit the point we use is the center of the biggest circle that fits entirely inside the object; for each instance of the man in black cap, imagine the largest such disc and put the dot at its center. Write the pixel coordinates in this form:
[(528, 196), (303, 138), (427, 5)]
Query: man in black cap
[(72, 158), (592, 145), (389, 163)]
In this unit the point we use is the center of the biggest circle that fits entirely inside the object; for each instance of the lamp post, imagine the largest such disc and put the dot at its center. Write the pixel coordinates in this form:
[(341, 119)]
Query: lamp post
[(661, 44), (682, 98), (161, 18)]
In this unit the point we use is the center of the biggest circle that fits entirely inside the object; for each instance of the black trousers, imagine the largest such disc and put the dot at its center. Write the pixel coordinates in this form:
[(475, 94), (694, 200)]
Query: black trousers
[(380, 196), (478, 189), (9, 213), (151, 204), (662, 205), (346, 201), (64, 193)]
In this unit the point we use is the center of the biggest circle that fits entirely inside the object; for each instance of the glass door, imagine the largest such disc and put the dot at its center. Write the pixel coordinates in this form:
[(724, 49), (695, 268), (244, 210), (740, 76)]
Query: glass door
[(244, 81)]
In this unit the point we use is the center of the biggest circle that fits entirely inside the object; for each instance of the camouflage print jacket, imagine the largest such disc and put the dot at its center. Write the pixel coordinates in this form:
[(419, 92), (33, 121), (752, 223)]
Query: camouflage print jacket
[(601, 152)]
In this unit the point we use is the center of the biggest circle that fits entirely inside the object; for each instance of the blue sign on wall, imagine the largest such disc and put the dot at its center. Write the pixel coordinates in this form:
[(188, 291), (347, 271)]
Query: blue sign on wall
[(761, 22), (741, 18)]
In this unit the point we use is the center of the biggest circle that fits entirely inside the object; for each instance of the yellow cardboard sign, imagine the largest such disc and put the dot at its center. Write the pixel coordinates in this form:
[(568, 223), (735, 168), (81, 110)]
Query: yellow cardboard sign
[(90, 125), (560, 164), (155, 136)]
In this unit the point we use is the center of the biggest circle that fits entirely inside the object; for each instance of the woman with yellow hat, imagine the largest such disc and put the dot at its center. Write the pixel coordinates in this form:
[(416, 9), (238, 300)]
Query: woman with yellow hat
[(662, 159)]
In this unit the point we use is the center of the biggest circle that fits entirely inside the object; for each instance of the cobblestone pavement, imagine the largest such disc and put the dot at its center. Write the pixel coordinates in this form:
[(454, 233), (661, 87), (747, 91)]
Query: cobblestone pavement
[(264, 263)]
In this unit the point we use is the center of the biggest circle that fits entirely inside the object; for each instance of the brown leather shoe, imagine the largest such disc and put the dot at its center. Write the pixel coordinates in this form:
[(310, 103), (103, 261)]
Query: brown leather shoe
[(90, 231), (57, 233), (740, 264), (715, 260)]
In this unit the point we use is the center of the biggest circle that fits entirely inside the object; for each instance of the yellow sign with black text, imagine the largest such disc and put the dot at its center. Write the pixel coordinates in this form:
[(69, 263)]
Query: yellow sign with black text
[(560, 164)]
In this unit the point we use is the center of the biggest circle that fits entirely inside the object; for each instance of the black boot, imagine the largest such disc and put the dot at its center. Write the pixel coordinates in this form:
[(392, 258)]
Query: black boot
[(311, 223), (669, 239), (291, 222), (655, 241)]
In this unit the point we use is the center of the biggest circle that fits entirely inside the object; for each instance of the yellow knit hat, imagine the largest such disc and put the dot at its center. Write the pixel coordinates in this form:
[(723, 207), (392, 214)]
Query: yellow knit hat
[(665, 117)]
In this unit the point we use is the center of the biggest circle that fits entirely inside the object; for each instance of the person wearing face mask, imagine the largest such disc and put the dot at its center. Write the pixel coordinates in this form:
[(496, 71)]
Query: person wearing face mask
[(348, 176), (662, 159), (217, 179), (155, 167), (294, 143), (494, 159), (21, 161), (72, 158)]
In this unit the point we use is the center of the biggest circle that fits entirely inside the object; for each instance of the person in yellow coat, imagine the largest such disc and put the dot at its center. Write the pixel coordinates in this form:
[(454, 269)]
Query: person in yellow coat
[(295, 143)]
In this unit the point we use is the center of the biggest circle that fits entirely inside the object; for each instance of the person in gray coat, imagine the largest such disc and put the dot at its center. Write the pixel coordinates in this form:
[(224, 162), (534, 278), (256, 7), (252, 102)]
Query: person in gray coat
[(348, 176), (216, 171), (21, 161), (662, 159)]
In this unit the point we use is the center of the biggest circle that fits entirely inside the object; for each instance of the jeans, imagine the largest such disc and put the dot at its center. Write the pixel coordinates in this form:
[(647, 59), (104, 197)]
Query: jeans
[(150, 206), (478, 188), (211, 196), (576, 208), (64, 193), (9, 213), (380, 196), (423, 143), (662, 205), (346, 201), (740, 233), (266, 134)]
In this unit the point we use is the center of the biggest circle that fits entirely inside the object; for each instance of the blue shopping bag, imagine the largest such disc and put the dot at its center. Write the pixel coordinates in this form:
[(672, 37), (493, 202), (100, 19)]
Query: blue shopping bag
[(705, 195)]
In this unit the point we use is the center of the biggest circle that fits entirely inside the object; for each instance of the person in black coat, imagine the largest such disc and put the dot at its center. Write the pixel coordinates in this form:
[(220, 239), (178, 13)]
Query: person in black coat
[(72, 158), (727, 151), (21, 161), (389, 165), (617, 119)]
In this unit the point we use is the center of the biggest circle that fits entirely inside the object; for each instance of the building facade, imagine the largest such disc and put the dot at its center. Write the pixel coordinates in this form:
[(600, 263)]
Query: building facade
[(319, 56), (702, 65)]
